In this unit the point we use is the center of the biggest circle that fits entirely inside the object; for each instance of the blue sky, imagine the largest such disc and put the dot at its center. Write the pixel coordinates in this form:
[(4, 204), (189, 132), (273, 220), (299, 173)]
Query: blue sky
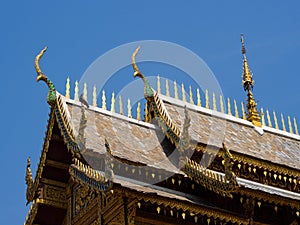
[(77, 32)]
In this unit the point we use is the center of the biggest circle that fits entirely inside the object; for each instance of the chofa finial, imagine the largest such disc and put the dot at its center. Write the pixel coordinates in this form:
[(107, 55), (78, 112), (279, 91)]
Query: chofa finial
[(248, 82), (148, 92), (51, 99), (135, 68)]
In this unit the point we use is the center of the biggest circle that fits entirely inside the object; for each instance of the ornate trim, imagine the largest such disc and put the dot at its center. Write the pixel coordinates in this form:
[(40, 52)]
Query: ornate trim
[(29, 181), (85, 174), (31, 214), (209, 179), (30, 193), (270, 198), (259, 164), (90, 177), (185, 206), (65, 127)]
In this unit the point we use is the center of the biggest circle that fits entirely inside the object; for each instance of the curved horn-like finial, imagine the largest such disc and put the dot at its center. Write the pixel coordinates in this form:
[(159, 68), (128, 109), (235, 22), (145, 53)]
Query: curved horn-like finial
[(40, 76), (148, 92), (135, 68), (37, 61), (133, 58)]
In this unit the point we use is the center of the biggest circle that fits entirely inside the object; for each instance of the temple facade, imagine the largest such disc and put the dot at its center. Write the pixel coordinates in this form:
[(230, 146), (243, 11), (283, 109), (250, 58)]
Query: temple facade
[(100, 166)]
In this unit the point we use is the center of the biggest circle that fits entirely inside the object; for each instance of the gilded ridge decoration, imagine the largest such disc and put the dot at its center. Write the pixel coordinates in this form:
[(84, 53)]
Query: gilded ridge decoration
[(31, 214), (197, 210), (156, 106), (29, 182), (65, 126), (30, 192), (209, 179), (223, 184), (84, 174)]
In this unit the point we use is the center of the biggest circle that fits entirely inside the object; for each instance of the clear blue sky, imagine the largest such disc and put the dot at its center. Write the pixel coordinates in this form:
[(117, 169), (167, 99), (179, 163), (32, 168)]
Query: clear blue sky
[(77, 32)]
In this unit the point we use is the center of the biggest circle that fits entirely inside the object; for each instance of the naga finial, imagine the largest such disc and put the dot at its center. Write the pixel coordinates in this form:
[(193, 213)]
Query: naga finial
[(184, 141), (107, 147), (148, 92), (51, 99), (29, 181), (135, 68), (227, 153), (109, 173), (229, 174), (28, 177), (37, 61)]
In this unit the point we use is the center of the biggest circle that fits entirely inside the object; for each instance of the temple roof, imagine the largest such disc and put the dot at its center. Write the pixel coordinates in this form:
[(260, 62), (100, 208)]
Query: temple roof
[(240, 135), (139, 142), (129, 138)]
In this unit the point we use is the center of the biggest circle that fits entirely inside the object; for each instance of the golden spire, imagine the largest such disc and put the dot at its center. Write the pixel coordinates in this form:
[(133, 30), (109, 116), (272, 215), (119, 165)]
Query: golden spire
[(269, 119), (112, 104), (103, 100), (283, 123), (296, 127), (147, 114), (138, 111), (191, 95), (183, 92), (236, 111), (175, 90), (120, 105), (262, 117), (68, 88), (214, 102), (206, 99), (76, 97), (129, 109), (248, 83), (229, 107), (221, 104), (85, 92), (198, 97), (290, 125), (167, 88), (275, 120), (95, 96)]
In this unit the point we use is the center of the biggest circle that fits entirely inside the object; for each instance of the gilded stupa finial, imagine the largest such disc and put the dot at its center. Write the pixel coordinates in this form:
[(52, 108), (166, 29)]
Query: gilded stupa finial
[(248, 82)]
